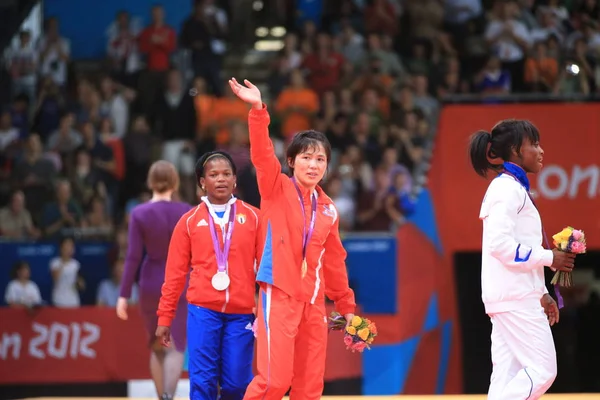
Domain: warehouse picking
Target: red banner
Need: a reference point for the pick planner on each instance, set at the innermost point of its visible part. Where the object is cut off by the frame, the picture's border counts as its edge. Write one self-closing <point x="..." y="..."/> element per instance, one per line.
<point x="90" y="344"/>
<point x="567" y="187"/>
<point x="78" y="345"/>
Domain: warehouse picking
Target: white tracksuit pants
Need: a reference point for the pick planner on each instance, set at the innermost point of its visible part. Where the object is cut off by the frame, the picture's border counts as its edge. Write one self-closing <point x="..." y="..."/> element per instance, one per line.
<point x="523" y="355"/>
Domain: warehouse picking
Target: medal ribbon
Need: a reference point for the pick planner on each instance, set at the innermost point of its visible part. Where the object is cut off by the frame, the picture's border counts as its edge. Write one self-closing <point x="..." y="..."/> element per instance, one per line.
<point x="221" y="255"/>
<point x="313" y="218"/>
<point x="559" y="298"/>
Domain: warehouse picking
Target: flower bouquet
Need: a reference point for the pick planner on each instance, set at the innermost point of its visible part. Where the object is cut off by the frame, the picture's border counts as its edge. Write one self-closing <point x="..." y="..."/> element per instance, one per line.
<point x="569" y="240"/>
<point x="359" y="334"/>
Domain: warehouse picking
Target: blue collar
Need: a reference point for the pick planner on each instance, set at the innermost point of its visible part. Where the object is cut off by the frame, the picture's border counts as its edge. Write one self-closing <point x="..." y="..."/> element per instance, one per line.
<point x="518" y="172"/>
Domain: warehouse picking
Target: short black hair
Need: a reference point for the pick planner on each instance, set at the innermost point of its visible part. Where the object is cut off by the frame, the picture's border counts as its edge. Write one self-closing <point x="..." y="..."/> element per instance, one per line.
<point x="304" y="141"/>
<point x="212" y="155"/>
<point x="14" y="272"/>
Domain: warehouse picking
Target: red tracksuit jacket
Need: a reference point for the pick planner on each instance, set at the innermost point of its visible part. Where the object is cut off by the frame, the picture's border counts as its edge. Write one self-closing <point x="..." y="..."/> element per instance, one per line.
<point x="282" y="229"/>
<point x="191" y="247"/>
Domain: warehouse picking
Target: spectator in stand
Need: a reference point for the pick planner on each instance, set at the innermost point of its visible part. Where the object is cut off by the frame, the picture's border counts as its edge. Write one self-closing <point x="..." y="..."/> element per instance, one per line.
<point x="174" y="120"/>
<point x="541" y="71"/>
<point x="381" y="17"/>
<point x="15" y="220"/>
<point x="296" y="105"/>
<point x="108" y="289"/>
<point x="122" y="49"/>
<point x="157" y="42"/>
<point x="96" y="223"/>
<point x="65" y="272"/>
<point x="201" y="34"/>
<point x="373" y="211"/>
<point x="22" y="63"/>
<point x="65" y="140"/>
<point x="9" y="135"/>
<point x="34" y="174"/>
<point x="102" y="159"/>
<point x="114" y="106"/>
<point x="62" y="215"/>
<point x="343" y="203"/>
<point x="21" y="290"/>
<point x="238" y="146"/>
<point x="85" y="177"/>
<point x="138" y="147"/>
<point x="323" y="65"/>
<point x="54" y="54"/>
<point x="493" y="80"/>
<point x="510" y="41"/>
<point x="49" y="107"/>
<point x="20" y="112"/>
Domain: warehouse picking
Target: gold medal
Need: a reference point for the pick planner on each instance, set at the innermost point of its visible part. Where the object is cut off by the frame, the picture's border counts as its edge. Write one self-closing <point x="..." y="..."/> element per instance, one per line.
<point x="304" y="267"/>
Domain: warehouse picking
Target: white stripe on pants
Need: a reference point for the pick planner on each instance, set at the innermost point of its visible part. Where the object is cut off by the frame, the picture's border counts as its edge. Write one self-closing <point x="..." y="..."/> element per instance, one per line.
<point x="523" y="355"/>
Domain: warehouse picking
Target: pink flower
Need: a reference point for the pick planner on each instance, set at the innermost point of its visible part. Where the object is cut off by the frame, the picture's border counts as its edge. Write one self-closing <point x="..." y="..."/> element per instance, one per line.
<point x="255" y="327"/>
<point x="577" y="234"/>
<point x="578" y="247"/>
<point x="347" y="340"/>
<point x="359" y="346"/>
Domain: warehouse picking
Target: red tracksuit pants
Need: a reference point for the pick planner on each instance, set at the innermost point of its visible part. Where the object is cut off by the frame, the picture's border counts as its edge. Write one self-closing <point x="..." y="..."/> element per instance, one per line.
<point x="291" y="348"/>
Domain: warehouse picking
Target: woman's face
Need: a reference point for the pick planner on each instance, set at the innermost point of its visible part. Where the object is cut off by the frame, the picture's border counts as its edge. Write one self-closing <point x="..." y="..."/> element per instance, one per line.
<point x="218" y="180"/>
<point x="310" y="166"/>
<point x="68" y="248"/>
<point x="83" y="159"/>
<point x="24" y="273"/>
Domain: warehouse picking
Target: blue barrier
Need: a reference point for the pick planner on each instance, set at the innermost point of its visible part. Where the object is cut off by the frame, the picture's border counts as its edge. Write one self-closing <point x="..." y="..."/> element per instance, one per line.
<point x="85" y="23"/>
<point x="91" y="256"/>
<point x="372" y="270"/>
<point x="371" y="261"/>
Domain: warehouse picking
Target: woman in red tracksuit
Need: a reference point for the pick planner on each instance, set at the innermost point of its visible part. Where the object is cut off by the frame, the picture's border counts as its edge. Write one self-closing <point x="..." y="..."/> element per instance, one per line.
<point x="302" y="260"/>
<point x="217" y="240"/>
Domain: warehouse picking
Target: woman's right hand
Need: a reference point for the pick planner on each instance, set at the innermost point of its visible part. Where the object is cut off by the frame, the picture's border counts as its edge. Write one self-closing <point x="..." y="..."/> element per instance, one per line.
<point x="562" y="261"/>
<point x="249" y="93"/>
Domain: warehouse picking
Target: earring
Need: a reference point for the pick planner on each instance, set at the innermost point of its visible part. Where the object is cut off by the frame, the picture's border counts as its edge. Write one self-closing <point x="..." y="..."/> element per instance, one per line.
<point x="234" y="185"/>
<point x="203" y="189"/>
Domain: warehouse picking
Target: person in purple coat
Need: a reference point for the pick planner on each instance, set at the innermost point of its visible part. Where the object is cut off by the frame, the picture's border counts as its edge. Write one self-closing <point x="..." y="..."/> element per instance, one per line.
<point x="150" y="228"/>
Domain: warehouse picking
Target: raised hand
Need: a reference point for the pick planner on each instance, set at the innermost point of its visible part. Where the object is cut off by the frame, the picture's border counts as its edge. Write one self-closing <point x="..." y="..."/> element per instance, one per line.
<point x="249" y="93"/>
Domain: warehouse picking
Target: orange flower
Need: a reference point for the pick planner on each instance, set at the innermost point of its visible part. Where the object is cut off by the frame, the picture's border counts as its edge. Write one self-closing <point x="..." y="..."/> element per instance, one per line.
<point x="372" y="328"/>
<point x="351" y="330"/>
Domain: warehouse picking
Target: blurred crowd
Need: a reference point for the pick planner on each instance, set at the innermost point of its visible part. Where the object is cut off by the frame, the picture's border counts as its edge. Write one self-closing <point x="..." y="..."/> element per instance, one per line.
<point x="75" y="148"/>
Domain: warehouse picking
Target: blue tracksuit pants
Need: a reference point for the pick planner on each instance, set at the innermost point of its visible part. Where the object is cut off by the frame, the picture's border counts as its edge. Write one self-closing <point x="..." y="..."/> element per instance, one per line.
<point x="220" y="351"/>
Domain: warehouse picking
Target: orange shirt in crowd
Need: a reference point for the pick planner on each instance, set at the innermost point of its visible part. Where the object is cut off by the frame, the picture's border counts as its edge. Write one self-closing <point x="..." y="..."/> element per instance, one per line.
<point x="296" y="107"/>
<point x="204" y="105"/>
<point x="225" y="110"/>
<point x="546" y="68"/>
